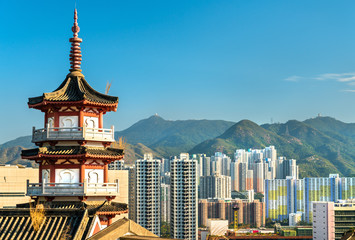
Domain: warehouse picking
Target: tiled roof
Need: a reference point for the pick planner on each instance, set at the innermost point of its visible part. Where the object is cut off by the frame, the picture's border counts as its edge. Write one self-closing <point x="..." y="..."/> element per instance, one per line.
<point x="120" y="228"/>
<point x="92" y="206"/>
<point x="69" y="150"/>
<point x="16" y="223"/>
<point x="73" y="89"/>
<point x="112" y="207"/>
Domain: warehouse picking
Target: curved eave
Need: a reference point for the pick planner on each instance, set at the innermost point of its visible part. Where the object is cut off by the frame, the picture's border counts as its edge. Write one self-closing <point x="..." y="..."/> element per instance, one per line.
<point x="111" y="212"/>
<point x="45" y="104"/>
<point x="65" y="156"/>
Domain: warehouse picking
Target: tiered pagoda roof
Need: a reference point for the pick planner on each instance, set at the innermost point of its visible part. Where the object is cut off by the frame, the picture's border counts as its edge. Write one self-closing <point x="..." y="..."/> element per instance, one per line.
<point x="73" y="151"/>
<point x="74" y="89"/>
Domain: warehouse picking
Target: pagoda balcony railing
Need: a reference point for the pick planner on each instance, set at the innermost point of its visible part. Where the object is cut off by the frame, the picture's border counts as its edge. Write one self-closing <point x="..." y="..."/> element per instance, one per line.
<point x="72" y="133"/>
<point x="72" y="189"/>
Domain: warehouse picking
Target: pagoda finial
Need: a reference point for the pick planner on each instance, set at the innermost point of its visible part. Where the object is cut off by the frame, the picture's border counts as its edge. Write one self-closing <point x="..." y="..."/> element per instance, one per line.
<point x="75" y="52"/>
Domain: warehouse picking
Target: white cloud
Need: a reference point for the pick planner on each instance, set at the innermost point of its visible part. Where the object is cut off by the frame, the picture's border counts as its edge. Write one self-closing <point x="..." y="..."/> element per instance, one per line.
<point x="348" y="90"/>
<point x="340" y="77"/>
<point x="348" y="78"/>
<point x="293" y="79"/>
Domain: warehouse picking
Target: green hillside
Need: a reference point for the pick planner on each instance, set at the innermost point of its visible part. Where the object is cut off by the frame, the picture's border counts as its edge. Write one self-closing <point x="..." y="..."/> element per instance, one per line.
<point x="317" y="153"/>
<point x="172" y="137"/>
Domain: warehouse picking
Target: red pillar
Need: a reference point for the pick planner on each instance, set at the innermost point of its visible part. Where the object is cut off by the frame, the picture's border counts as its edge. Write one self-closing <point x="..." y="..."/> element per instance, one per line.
<point x="52" y="173"/>
<point x="40" y="173"/>
<point x="82" y="172"/>
<point x="105" y="173"/>
<point x="56" y="119"/>
<point x="81" y="118"/>
<point x="101" y="120"/>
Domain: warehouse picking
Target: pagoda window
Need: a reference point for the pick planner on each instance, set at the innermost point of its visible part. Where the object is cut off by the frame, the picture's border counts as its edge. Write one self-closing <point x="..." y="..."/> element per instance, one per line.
<point x="67" y="175"/>
<point x="68" y="122"/>
<point x="91" y="122"/>
<point x="95" y="175"/>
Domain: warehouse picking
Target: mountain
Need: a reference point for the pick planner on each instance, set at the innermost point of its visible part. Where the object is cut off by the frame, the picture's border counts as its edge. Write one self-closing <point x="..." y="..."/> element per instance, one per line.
<point x="12" y="155"/>
<point x="332" y="127"/>
<point x="24" y="142"/>
<point x="161" y="137"/>
<point x="137" y="151"/>
<point x="169" y="138"/>
<point x="337" y="152"/>
<point x="317" y="153"/>
<point x="321" y="145"/>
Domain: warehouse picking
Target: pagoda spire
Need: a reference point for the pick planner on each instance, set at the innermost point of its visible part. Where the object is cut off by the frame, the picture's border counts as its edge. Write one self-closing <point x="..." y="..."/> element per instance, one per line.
<point x="75" y="52"/>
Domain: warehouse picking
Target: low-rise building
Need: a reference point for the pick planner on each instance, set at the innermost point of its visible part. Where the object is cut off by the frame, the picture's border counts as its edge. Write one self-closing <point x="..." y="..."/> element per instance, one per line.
<point x="13" y="184"/>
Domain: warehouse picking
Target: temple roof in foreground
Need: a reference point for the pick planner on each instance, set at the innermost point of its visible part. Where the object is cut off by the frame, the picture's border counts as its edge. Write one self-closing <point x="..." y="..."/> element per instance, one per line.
<point x="79" y="151"/>
<point x="121" y="228"/>
<point x="16" y="223"/>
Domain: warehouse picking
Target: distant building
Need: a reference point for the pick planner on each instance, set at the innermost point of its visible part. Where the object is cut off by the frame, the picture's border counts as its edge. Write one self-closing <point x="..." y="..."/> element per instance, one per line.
<point x="148" y="193"/>
<point x="165" y="202"/>
<point x="331" y="220"/>
<point x="13" y="184"/>
<point x="249" y="213"/>
<point x="323" y="221"/>
<point x="234" y="169"/>
<point x="132" y="193"/>
<point x="216" y="186"/>
<point x="183" y="197"/>
<point x="285" y="196"/>
<point x="294" y="218"/>
<point x="116" y="165"/>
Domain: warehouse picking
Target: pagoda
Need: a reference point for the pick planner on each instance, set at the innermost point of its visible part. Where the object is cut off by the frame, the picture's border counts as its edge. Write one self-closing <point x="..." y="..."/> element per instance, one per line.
<point x="74" y="148"/>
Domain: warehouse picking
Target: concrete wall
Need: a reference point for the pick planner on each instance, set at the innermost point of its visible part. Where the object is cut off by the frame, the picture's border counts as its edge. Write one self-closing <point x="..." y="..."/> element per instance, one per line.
<point x="13" y="184"/>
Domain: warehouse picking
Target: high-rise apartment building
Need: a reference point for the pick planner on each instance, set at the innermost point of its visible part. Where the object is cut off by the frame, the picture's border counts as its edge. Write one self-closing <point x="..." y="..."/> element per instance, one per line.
<point x="332" y="219"/>
<point x="148" y="189"/>
<point x="249" y="180"/>
<point x="285" y="196"/>
<point x="235" y="176"/>
<point x="165" y="202"/>
<point x="243" y="170"/>
<point x="252" y="213"/>
<point x="206" y="166"/>
<point x="215" y="187"/>
<point x="184" y="198"/>
<point x="116" y="165"/>
<point x="258" y="176"/>
<point x="132" y="193"/>
<point x="165" y="166"/>
<point x="323" y="221"/>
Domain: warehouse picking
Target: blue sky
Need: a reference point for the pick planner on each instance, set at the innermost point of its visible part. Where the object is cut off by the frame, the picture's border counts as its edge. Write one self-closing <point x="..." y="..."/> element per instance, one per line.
<point x="231" y="60"/>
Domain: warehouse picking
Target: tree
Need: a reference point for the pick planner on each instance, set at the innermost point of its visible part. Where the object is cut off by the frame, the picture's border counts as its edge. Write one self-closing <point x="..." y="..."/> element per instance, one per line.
<point x="165" y="230"/>
<point x="259" y="196"/>
<point x="269" y="223"/>
<point x="303" y="223"/>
